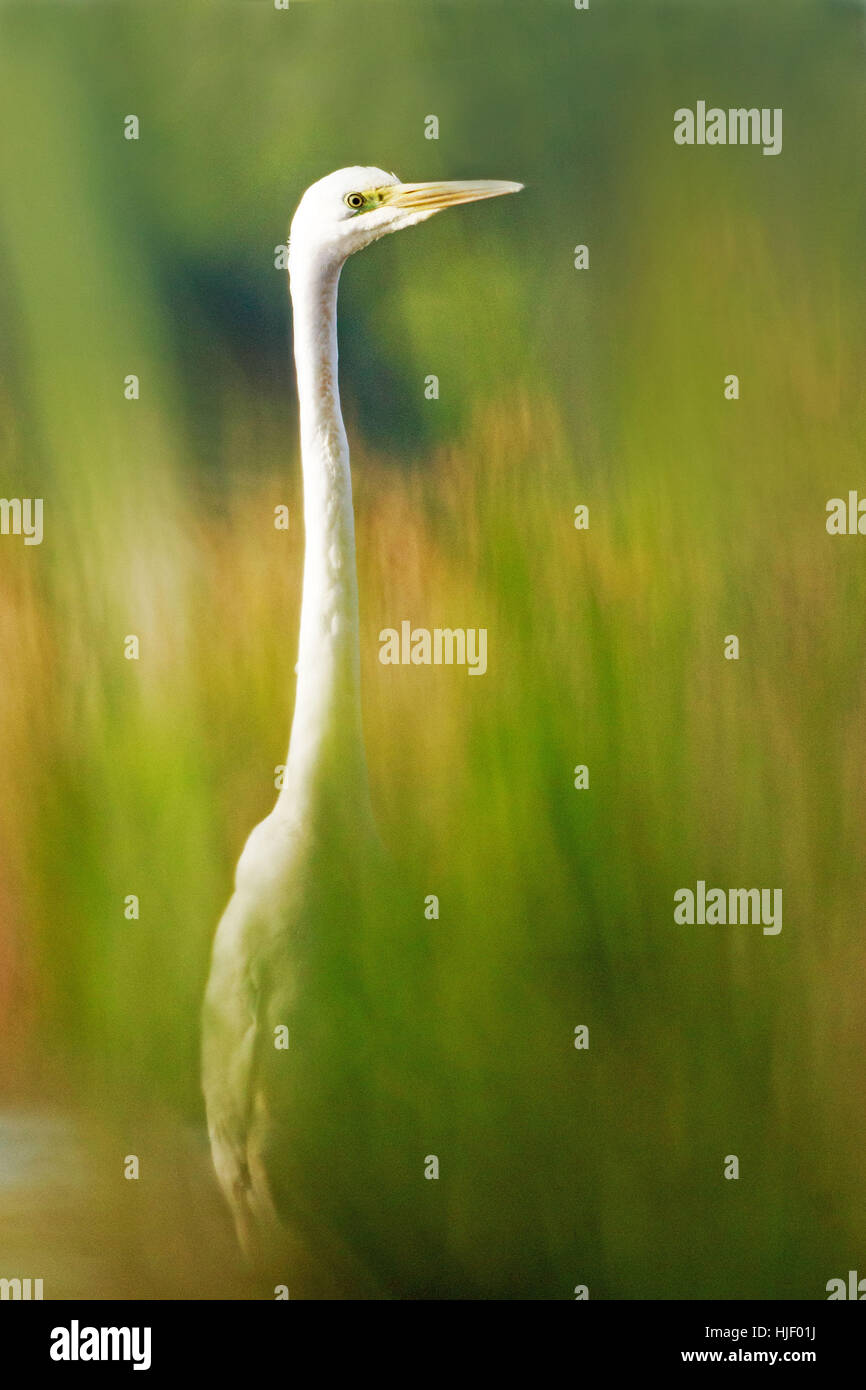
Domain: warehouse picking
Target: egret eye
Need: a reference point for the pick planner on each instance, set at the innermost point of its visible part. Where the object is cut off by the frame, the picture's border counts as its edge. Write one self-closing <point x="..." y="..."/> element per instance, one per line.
<point x="355" y="200"/>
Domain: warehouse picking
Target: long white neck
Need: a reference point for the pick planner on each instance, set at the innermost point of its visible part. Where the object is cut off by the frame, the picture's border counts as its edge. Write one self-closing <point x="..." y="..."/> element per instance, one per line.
<point x="326" y="750"/>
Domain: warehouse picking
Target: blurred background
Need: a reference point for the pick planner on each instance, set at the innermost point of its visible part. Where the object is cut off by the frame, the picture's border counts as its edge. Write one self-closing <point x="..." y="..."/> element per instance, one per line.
<point x="557" y="387"/>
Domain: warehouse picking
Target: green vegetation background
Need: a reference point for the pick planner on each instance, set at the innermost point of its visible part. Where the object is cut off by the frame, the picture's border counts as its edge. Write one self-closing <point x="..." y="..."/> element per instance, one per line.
<point x="558" y="387"/>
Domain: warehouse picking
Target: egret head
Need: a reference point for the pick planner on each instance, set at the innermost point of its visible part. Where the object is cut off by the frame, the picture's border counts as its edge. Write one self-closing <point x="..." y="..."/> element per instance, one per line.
<point x="349" y="209"/>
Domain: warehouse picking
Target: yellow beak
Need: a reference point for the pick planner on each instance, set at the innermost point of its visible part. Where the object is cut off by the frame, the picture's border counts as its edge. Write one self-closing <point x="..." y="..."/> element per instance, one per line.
<point x="430" y="197"/>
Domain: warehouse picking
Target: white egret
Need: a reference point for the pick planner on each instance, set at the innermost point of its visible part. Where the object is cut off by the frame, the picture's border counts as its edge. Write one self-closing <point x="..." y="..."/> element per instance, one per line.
<point x="280" y="952"/>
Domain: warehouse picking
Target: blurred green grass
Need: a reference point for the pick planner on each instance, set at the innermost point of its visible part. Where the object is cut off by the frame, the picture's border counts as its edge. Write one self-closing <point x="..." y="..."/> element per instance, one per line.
<point x="605" y="647"/>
